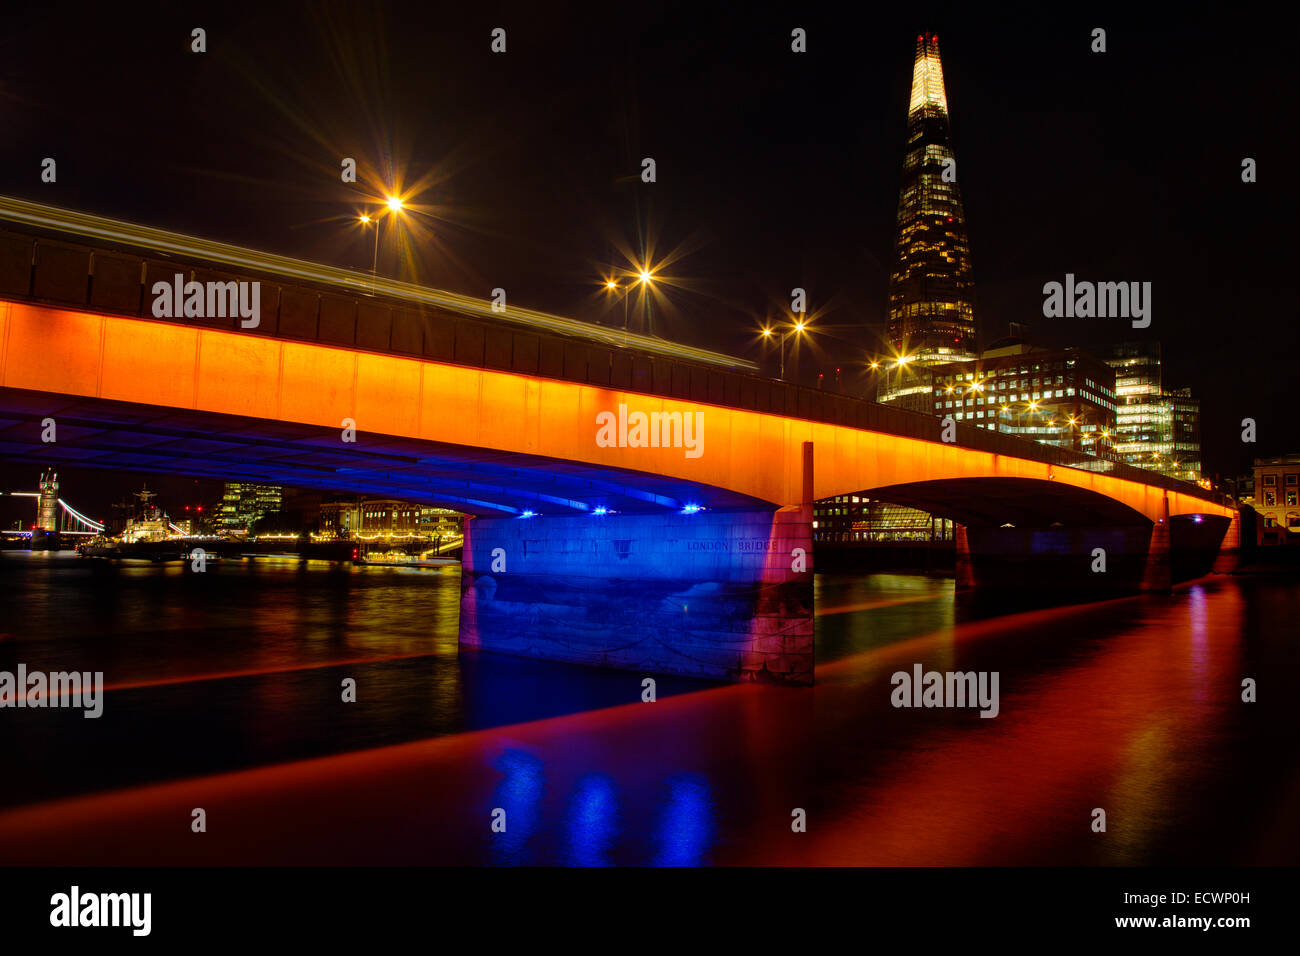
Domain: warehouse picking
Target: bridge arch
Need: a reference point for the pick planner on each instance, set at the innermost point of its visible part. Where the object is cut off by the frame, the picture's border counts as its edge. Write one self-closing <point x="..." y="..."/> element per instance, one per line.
<point x="1020" y="502"/>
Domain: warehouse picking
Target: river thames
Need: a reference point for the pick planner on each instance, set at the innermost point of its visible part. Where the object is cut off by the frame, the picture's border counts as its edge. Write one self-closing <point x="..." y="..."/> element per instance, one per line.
<point x="223" y="692"/>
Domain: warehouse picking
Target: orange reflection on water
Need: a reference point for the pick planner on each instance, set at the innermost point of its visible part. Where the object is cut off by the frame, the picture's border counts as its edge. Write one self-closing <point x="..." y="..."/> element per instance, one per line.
<point x="1121" y="706"/>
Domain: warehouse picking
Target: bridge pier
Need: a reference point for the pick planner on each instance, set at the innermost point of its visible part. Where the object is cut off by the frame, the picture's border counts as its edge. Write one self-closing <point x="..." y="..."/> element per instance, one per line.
<point x="1228" y="559"/>
<point x="1158" y="574"/>
<point x="725" y="595"/>
<point x="965" y="564"/>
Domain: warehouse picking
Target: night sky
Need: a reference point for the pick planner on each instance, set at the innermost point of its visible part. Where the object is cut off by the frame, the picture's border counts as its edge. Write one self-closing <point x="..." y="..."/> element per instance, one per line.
<point x="775" y="169"/>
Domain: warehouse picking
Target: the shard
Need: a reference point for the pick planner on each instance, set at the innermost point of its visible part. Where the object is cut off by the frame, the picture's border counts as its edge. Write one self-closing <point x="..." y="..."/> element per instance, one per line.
<point x="931" y="315"/>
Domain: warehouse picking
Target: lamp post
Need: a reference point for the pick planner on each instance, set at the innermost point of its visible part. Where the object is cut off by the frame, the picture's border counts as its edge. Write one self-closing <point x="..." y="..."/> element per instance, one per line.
<point x="1076" y="438"/>
<point x="874" y="365"/>
<point x="395" y="206"/>
<point x="611" y="285"/>
<point x="645" y="277"/>
<point x="365" y="220"/>
<point x="798" y="328"/>
<point x="899" y="364"/>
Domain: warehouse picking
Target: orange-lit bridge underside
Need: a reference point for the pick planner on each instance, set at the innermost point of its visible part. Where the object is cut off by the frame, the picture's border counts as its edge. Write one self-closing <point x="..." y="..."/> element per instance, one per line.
<point x="754" y="456"/>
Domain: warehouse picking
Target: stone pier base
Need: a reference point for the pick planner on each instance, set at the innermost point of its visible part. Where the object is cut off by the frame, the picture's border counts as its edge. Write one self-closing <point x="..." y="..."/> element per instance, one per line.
<point x="714" y="594"/>
<point x="1158" y="573"/>
<point x="1228" y="557"/>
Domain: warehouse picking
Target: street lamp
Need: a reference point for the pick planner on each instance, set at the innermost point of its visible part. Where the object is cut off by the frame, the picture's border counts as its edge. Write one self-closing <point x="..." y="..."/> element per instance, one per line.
<point x="611" y="285"/>
<point x="367" y="221"/>
<point x="645" y="277"/>
<point x="1076" y="441"/>
<point x="798" y="328"/>
<point x="395" y="206"/>
<point x="900" y="362"/>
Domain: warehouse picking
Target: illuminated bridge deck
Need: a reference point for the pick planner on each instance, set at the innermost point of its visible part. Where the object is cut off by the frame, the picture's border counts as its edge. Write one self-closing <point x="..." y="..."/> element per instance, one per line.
<point x="85" y="264"/>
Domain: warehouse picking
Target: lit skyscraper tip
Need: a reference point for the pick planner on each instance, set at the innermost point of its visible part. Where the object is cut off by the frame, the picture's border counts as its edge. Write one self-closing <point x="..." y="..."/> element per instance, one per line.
<point x="931" y="316"/>
<point x="927" y="76"/>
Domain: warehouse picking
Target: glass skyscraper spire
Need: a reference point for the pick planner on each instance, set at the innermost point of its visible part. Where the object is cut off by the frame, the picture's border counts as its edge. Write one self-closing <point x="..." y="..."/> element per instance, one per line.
<point x="931" y="317"/>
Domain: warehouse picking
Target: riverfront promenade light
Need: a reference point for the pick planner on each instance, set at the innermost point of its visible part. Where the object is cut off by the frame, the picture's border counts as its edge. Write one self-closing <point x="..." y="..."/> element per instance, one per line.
<point x="205" y="250"/>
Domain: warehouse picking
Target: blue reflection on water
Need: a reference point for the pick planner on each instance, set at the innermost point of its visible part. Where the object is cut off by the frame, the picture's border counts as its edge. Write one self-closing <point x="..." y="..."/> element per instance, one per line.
<point x="519" y="794"/>
<point x="686" y="827"/>
<point x="593" y="821"/>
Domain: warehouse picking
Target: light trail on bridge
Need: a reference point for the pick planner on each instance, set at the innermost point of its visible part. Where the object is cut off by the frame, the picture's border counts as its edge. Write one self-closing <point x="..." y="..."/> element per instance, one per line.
<point x="159" y="240"/>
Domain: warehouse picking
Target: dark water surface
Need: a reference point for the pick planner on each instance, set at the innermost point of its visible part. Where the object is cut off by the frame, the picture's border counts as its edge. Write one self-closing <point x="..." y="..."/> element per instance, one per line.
<point x="223" y="685"/>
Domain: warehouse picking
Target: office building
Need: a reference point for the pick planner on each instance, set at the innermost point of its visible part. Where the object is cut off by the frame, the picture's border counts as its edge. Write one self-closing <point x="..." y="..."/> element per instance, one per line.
<point x="243" y="503"/>
<point x="1064" y="397"/>
<point x="1277" y="500"/>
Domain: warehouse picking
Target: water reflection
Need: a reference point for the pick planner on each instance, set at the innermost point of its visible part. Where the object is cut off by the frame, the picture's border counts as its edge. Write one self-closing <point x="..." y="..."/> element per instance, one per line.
<point x="685" y="830"/>
<point x="1131" y="705"/>
<point x="593" y="821"/>
<point x="517" y="812"/>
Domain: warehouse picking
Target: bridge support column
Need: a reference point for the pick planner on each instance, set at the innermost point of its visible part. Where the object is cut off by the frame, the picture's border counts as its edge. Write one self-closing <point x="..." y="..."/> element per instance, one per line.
<point x="724" y="595"/>
<point x="1228" y="560"/>
<point x="965" y="564"/>
<point x="1158" y="573"/>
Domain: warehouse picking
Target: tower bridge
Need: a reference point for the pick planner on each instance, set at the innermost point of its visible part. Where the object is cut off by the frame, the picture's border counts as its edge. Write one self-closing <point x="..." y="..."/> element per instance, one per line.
<point x="53" y="514"/>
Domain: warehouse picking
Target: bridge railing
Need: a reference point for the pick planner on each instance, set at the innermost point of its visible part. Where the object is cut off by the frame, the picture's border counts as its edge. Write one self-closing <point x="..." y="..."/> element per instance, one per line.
<point x="112" y="280"/>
